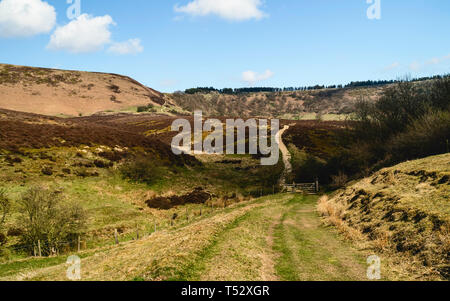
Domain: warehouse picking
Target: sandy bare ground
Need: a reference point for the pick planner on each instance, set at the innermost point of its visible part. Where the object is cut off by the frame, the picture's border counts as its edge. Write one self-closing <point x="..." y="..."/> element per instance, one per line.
<point x="286" y="155"/>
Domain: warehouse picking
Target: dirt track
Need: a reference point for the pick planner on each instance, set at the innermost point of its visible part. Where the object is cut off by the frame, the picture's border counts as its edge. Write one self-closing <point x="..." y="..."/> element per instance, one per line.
<point x="286" y="155"/>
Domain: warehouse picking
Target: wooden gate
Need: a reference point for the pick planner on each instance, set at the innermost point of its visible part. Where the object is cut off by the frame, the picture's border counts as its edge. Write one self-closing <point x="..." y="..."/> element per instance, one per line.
<point x="306" y="188"/>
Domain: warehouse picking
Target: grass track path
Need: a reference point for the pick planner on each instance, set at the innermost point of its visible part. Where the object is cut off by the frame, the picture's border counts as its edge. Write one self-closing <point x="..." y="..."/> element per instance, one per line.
<point x="284" y="240"/>
<point x="273" y="238"/>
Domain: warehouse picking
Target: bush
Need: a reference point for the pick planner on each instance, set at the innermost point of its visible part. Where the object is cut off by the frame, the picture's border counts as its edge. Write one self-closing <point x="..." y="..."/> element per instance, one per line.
<point x="47" y="171"/>
<point x="5" y="254"/>
<point x="45" y="217"/>
<point x="410" y="121"/>
<point x="147" y="108"/>
<point x="114" y="88"/>
<point x="339" y="180"/>
<point x="142" y="169"/>
<point x="102" y="164"/>
<point x="14" y="232"/>
<point x="5" y="207"/>
<point x="428" y="135"/>
<point x="3" y="239"/>
<point x="306" y="167"/>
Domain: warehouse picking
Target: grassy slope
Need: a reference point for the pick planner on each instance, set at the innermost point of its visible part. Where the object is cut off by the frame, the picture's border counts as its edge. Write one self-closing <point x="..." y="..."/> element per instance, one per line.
<point x="404" y="212"/>
<point x="273" y="238"/>
<point x="114" y="203"/>
<point x="303" y="105"/>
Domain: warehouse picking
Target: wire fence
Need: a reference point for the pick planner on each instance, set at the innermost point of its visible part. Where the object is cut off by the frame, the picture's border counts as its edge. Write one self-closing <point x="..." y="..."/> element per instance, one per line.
<point x="83" y="242"/>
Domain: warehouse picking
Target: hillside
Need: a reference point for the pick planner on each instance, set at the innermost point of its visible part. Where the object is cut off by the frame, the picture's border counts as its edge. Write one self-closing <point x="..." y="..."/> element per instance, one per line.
<point x="403" y="211"/>
<point x="273" y="238"/>
<point x="76" y="93"/>
<point x="286" y="105"/>
<point x="73" y="93"/>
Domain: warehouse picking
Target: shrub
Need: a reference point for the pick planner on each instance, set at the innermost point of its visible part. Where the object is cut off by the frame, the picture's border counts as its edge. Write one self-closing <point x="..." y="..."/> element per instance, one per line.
<point x="142" y="169"/>
<point x="5" y="207"/>
<point x="102" y="164"/>
<point x="5" y="254"/>
<point x="410" y="121"/>
<point x="147" y="108"/>
<point x="114" y="88"/>
<point x="14" y="232"/>
<point x="428" y="135"/>
<point x="339" y="181"/>
<point x="48" y="171"/>
<point x="306" y="167"/>
<point x="45" y="217"/>
<point x="320" y="117"/>
<point x="113" y="155"/>
<point x="3" y="239"/>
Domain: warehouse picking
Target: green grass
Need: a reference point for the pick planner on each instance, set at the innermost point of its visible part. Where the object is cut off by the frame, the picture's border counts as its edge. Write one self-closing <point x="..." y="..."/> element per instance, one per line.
<point x="303" y="249"/>
<point x="115" y="203"/>
<point x="30" y="264"/>
<point x="309" y="251"/>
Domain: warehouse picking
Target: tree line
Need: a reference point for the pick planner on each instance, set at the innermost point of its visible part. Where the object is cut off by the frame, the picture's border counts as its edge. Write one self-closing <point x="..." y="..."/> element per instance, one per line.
<point x="353" y="84"/>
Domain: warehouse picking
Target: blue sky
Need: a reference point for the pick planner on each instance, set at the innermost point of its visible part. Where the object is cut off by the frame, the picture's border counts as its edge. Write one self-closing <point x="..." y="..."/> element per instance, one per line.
<point x="235" y="43"/>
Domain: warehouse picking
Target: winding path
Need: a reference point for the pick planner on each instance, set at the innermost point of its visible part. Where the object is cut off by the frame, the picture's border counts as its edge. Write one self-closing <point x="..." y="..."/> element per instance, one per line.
<point x="286" y="155"/>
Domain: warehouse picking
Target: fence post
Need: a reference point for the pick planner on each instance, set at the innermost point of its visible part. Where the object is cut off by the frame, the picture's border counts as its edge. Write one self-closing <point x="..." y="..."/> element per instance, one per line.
<point x="200" y="211"/>
<point x="155" y="227"/>
<point x="116" y="237"/>
<point x="39" y="248"/>
<point x="317" y="185"/>
<point x="137" y="233"/>
<point x="79" y="244"/>
<point x="34" y="250"/>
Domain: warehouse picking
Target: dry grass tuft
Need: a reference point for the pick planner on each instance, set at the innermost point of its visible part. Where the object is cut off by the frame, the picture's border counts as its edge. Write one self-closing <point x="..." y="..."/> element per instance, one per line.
<point x="401" y="212"/>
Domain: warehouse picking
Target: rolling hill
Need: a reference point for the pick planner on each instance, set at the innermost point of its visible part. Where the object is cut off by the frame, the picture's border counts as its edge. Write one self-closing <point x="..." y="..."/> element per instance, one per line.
<point x="77" y="93"/>
<point x="73" y="93"/>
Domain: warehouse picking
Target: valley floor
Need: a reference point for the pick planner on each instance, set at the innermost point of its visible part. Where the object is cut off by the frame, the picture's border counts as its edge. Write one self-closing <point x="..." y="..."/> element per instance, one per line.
<point x="278" y="237"/>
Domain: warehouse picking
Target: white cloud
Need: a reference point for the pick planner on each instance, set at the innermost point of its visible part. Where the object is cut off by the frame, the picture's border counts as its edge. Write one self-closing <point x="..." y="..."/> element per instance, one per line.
<point x="392" y="66"/>
<point x="438" y="60"/>
<point x="235" y="10"/>
<point x="82" y="35"/>
<point x="415" y="66"/>
<point x="132" y="46"/>
<point x="25" y="18"/>
<point x="251" y="77"/>
<point x="434" y="61"/>
<point x="168" y="83"/>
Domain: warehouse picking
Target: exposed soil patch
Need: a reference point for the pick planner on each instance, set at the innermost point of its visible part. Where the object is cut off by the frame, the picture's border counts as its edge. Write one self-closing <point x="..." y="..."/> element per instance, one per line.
<point x="198" y="196"/>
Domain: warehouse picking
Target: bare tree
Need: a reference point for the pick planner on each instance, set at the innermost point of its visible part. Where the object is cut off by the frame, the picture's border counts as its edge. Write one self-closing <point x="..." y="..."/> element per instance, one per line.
<point x="47" y="218"/>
